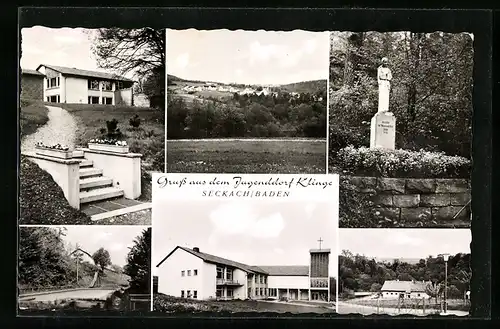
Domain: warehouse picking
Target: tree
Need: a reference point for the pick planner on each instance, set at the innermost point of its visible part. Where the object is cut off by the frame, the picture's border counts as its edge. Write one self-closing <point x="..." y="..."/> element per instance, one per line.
<point x="101" y="258"/>
<point x="375" y="287"/>
<point x="139" y="262"/>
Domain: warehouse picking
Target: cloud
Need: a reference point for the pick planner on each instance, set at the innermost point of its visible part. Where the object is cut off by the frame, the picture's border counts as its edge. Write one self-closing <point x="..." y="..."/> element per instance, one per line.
<point x="239" y="72"/>
<point x="66" y="39"/>
<point x="182" y="61"/>
<point x="400" y="238"/>
<point x="239" y="218"/>
<point x="102" y="235"/>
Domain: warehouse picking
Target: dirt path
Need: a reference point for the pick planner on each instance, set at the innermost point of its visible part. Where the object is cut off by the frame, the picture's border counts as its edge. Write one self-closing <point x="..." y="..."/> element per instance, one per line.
<point x="60" y="128"/>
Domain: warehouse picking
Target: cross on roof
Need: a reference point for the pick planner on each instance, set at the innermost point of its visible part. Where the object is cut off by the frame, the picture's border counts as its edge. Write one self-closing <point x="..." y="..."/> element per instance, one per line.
<point x="320" y="242"/>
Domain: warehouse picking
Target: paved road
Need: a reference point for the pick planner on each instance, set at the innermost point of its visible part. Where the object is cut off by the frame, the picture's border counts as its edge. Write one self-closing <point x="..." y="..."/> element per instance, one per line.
<point x="347" y="308"/>
<point x="100" y="294"/>
<point x="60" y="128"/>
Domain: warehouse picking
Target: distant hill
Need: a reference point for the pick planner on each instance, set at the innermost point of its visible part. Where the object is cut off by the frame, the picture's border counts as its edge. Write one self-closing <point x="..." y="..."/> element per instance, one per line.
<point x="311" y="87"/>
<point x="402" y="260"/>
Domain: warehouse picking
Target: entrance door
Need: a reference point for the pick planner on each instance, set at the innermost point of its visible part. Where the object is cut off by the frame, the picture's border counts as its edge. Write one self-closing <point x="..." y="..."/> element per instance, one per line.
<point x="53" y="99"/>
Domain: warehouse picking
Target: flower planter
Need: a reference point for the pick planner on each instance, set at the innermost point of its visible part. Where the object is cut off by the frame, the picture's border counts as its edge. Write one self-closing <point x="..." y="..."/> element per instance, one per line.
<point x="55" y="153"/>
<point x="108" y="148"/>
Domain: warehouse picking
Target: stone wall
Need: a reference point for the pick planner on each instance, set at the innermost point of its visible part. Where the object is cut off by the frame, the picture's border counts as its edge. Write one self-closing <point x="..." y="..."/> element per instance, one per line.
<point x="414" y="199"/>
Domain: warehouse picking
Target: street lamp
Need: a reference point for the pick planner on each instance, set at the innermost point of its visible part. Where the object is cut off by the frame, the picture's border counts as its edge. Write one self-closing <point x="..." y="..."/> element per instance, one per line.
<point x="445" y="258"/>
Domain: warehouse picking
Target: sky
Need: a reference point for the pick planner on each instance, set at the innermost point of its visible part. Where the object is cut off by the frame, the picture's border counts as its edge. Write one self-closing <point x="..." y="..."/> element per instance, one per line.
<point x="62" y="47"/>
<point x="115" y="239"/>
<point x="405" y="243"/>
<point x="250" y="232"/>
<point x="248" y="57"/>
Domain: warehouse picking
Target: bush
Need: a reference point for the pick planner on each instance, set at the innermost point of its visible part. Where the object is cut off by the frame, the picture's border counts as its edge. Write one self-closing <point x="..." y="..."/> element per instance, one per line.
<point x="400" y="163"/>
<point x="112" y="129"/>
<point x="135" y="121"/>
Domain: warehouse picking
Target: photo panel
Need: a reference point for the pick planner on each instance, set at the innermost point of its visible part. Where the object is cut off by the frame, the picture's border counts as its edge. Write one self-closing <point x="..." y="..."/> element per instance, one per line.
<point x="400" y="128"/>
<point x="89" y="269"/>
<point x="92" y="104"/>
<point x="247" y="101"/>
<point x="245" y="244"/>
<point x="410" y="272"/>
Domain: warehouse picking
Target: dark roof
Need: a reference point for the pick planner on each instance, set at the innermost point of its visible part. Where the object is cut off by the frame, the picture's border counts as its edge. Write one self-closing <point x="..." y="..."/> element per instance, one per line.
<point x="292" y="270"/>
<point x="216" y="260"/>
<point x="85" y="73"/>
<point x="404" y="286"/>
<point x="32" y="72"/>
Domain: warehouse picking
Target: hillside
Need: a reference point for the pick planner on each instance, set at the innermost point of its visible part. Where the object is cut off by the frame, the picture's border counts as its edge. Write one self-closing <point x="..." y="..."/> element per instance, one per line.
<point x="311" y="87"/>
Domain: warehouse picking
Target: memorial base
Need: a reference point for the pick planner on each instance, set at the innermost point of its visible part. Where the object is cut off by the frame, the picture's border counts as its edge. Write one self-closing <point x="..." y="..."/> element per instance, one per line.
<point x="383" y="131"/>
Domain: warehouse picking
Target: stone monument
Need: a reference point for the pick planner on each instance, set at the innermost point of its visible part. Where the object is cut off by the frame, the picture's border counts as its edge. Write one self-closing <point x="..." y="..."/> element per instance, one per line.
<point x="383" y="123"/>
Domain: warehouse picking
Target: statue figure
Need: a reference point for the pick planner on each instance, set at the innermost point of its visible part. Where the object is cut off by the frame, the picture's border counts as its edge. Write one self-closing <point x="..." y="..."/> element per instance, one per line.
<point x="384" y="77"/>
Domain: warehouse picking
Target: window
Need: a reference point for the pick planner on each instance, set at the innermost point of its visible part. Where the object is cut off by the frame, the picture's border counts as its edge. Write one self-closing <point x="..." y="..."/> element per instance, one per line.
<point x="53" y="82"/>
<point x="93" y="84"/>
<point x="261" y="292"/>
<point x="261" y="279"/>
<point x="93" y="100"/>
<point x="189" y="294"/>
<point x="53" y="99"/>
<point x="195" y="272"/>
<point x="229" y="275"/>
<point x="189" y="272"/>
<point x="58" y="98"/>
<point x="220" y="272"/>
<point x="58" y="81"/>
<point x="195" y="293"/>
<point x="107" y="100"/>
<point x="182" y="273"/>
<point x="119" y="85"/>
<point x="265" y="279"/>
<point x="229" y="293"/>
<point x="218" y="293"/>
<point x="106" y="85"/>
<point x="256" y="291"/>
<point x="182" y="293"/>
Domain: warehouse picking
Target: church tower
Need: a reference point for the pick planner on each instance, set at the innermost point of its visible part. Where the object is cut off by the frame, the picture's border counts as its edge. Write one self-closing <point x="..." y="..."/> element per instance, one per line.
<point x="319" y="276"/>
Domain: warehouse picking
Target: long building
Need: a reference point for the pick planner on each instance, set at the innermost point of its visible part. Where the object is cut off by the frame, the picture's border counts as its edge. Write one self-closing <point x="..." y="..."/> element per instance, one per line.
<point x="191" y="273"/>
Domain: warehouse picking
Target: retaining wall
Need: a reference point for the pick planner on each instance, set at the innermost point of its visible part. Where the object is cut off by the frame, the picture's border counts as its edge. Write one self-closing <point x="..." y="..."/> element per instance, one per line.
<point x="415" y="199"/>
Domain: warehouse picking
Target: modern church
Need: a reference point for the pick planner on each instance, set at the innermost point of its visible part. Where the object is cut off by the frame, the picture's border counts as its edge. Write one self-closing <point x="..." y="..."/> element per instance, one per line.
<point x="191" y="273"/>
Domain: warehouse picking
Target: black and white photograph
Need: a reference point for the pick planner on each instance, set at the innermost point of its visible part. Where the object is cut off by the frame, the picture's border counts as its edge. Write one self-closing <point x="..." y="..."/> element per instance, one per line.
<point x="92" y="124"/>
<point x="408" y="272"/>
<point x="84" y="268"/>
<point x="236" y="255"/>
<point x="247" y="101"/>
<point x="400" y="128"/>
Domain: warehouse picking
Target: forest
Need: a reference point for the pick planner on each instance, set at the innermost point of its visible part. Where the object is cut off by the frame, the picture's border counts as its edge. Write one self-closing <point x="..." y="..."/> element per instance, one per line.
<point x="248" y="116"/>
<point x="47" y="261"/>
<point x="431" y="90"/>
<point x="360" y="273"/>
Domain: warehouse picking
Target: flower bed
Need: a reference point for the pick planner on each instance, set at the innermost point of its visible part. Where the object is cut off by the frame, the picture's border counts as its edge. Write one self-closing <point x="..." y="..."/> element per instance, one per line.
<point x="55" y="150"/>
<point x="364" y="161"/>
<point x="109" y="145"/>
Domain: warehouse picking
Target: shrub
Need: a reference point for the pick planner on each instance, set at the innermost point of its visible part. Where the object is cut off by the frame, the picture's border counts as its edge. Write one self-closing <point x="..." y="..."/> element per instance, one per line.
<point x="112" y="129"/>
<point x="135" y="121"/>
<point x="400" y="163"/>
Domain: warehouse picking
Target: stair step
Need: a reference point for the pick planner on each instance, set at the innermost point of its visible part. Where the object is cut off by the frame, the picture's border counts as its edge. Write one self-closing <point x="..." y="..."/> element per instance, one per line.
<point x="93" y="182"/>
<point x="100" y="194"/>
<point x="86" y="163"/>
<point x="90" y="172"/>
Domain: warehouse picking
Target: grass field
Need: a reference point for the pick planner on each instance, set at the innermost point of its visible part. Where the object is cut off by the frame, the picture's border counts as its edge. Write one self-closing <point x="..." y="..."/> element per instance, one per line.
<point x="453" y="304"/>
<point x="33" y="115"/>
<point x="148" y="139"/>
<point x="168" y="304"/>
<point x="246" y="156"/>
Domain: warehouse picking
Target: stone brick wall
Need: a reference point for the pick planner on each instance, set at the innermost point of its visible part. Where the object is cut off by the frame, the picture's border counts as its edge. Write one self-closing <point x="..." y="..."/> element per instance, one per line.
<point x="31" y="87"/>
<point x="414" y="199"/>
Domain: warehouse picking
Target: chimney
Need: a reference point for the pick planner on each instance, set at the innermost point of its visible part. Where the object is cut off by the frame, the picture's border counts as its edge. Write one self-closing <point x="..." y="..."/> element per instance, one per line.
<point x="196" y="249"/>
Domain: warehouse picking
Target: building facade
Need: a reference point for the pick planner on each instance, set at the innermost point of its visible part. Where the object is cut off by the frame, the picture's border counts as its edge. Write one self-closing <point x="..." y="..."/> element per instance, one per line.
<point x="75" y="86"/>
<point x="190" y="273"/>
<point x="394" y="289"/>
<point x="32" y="85"/>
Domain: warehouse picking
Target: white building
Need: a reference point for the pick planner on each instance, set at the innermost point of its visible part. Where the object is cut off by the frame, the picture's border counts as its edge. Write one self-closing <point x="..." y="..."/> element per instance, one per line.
<point x="394" y="289"/>
<point x="190" y="273"/>
<point x="71" y="85"/>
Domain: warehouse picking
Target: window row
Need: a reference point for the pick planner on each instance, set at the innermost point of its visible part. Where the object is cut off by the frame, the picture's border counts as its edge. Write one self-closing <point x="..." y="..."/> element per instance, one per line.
<point x="224" y="273"/>
<point x="106" y="85"/>
<point x="105" y="100"/>
<point x="189" y="295"/>
<point x="195" y="273"/>
<point x="53" y="82"/>
<point x="219" y="292"/>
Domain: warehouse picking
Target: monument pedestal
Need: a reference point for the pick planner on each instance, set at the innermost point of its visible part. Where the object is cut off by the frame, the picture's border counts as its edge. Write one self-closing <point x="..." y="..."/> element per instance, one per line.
<point x="383" y="131"/>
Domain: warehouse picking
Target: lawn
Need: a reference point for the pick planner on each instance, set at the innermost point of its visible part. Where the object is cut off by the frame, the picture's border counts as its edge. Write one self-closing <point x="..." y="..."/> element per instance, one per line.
<point x="148" y="139"/>
<point x="246" y="156"/>
<point x="41" y="200"/>
<point x="168" y="304"/>
<point x="33" y="114"/>
<point x="453" y="304"/>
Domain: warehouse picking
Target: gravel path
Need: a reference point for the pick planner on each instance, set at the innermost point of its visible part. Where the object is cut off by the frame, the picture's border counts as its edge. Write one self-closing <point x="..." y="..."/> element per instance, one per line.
<point x="60" y="128"/>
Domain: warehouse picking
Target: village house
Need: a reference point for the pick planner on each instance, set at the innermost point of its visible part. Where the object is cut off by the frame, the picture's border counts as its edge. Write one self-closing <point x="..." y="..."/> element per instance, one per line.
<point x="394" y="289"/>
<point x="191" y="273"/>
<point x="71" y="85"/>
<point x="32" y="84"/>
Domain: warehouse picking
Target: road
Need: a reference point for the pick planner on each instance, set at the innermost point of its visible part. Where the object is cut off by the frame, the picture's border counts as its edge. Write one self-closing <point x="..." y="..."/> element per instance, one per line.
<point x="346" y="308"/>
<point x="100" y="294"/>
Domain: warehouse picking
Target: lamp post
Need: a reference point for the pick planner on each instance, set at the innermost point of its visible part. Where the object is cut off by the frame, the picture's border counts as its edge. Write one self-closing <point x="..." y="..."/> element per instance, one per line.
<point x="445" y="258"/>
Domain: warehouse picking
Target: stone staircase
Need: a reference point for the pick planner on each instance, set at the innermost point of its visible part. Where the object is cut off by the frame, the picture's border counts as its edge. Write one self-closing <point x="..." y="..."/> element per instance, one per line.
<point x="93" y="185"/>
